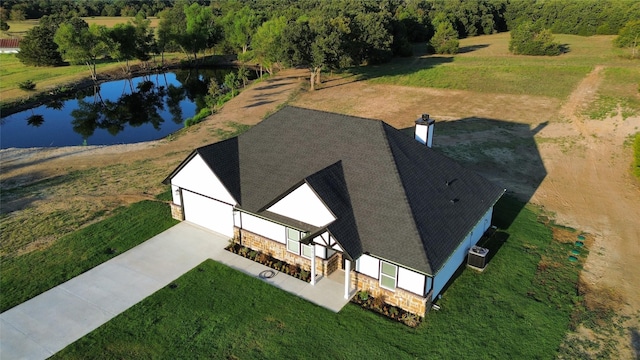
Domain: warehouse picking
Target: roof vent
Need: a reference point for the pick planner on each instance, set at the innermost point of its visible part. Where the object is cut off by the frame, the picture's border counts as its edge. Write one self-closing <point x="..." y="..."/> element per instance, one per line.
<point x="453" y="201"/>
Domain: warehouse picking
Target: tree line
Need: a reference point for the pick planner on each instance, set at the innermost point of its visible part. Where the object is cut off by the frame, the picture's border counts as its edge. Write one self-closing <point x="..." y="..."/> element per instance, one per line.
<point x="316" y="34"/>
<point x="18" y="10"/>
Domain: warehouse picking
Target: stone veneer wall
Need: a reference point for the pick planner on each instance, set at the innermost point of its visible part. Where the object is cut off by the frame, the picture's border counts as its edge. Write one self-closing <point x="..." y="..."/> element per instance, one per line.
<point x="279" y="251"/>
<point x="176" y="212"/>
<point x="403" y="299"/>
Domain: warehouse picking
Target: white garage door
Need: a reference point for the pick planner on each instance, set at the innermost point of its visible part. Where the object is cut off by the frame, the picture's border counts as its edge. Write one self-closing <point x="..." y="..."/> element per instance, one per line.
<point x="208" y="213"/>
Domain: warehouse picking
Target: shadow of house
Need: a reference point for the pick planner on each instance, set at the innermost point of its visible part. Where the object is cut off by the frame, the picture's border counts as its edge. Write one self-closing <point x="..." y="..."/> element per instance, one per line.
<point x="504" y="152"/>
<point x="635" y="342"/>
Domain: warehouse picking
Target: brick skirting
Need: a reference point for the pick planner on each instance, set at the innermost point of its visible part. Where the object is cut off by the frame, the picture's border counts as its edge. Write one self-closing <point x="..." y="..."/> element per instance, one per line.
<point x="403" y="299"/>
<point x="279" y="251"/>
<point x="176" y="211"/>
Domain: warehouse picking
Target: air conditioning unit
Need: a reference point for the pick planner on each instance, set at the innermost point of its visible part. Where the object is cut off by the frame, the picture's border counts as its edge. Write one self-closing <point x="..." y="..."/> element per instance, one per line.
<point x="477" y="257"/>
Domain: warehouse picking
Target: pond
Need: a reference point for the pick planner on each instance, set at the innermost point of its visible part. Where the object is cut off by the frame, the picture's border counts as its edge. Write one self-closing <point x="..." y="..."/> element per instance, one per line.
<point x="125" y="111"/>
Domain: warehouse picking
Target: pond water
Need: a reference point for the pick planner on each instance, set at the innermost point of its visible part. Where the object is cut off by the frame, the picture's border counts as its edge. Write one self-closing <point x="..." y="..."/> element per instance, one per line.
<point x="118" y="112"/>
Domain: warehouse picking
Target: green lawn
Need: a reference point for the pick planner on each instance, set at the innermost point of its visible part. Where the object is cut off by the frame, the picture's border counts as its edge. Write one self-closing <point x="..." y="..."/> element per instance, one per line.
<point x="25" y="276"/>
<point x="13" y="72"/>
<point x="519" y="308"/>
<point x="485" y="65"/>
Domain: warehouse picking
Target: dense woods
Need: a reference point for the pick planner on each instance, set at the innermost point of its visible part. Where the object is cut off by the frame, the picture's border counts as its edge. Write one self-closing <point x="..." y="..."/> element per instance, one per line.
<point x="313" y="33"/>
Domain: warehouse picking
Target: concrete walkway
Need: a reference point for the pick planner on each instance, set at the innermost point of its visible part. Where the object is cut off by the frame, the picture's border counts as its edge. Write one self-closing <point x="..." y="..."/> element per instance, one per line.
<point x="44" y="325"/>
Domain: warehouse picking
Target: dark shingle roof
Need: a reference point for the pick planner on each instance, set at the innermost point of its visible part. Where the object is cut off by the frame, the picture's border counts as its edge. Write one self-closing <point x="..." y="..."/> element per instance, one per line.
<point x="392" y="195"/>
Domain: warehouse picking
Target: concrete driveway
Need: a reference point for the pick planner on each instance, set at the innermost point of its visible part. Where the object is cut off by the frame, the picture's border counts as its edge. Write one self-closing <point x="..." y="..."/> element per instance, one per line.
<point x="44" y="325"/>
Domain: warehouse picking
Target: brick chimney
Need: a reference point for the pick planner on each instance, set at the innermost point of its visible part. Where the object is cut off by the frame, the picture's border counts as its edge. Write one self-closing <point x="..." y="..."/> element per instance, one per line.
<point x="424" y="130"/>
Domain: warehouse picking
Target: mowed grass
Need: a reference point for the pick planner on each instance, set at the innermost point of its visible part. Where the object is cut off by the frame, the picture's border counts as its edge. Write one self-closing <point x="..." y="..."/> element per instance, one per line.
<point x="485" y="65"/>
<point x="25" y="276"/>
<point x="518" y="308"/>
<point x="13" y="72"/>
<point x="18" y="29"/>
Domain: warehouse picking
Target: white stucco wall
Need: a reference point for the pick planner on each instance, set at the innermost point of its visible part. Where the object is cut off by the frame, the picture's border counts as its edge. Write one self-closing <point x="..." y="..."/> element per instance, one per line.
<point x="264" y="227"/>
<point x="175" y="193"/>
<point x="460" y="254"/>
<point x="303" y="205"/>
<point x="197" y="177"/>
<point x="209" y="213"/>
<point x="411" y="281"/>
<point x="368" y="265"/>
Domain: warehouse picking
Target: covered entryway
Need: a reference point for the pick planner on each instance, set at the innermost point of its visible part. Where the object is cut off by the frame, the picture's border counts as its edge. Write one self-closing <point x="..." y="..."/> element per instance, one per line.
<point x="208" y="213"/>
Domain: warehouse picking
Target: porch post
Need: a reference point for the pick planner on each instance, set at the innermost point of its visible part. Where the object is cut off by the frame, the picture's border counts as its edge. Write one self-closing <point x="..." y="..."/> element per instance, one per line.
<point x="313" y="264"/>
<point x="347" y="280"/>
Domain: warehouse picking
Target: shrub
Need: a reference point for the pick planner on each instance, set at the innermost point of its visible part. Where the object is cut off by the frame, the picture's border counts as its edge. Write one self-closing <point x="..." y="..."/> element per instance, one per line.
<point x="198" y="117"/>
<point x="27" y="85"/>
<point x="445" y="40"/>
<point x="629" y="37"/>
<point x="363" y="295"/>
<point x="531" y="39"/>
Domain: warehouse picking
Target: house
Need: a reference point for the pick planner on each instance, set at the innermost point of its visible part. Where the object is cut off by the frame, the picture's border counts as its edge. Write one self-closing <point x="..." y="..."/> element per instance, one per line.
<point x="336" y="193"/>
<point x="9" y="46"/>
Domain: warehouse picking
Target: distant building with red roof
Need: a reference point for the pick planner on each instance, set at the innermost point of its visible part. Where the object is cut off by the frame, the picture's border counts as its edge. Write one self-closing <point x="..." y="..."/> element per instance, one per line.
<point x="9" y="46"/>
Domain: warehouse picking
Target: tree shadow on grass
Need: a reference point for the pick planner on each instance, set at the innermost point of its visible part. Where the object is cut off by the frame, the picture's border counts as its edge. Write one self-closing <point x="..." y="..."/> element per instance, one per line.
<point x="400" y="66"/>
<point x="471" y="48"/>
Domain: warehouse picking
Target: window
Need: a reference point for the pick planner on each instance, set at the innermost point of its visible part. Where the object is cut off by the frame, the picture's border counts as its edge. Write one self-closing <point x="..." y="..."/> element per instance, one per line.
<point x="293" y="241"/>
<point x="388" y="274"/>
<point x="306" y="251"/>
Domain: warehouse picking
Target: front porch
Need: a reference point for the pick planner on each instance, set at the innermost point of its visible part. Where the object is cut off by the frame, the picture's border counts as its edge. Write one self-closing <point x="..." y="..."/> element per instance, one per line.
<point x="327" y="292"/>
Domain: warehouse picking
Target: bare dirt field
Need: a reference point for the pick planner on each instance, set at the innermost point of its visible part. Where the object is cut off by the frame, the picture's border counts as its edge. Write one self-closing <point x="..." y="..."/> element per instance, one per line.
<point x="541" y="149"/>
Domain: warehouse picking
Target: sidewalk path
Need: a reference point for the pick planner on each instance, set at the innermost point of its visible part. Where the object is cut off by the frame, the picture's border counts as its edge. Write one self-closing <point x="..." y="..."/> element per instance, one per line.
<point x="44" y="325"/>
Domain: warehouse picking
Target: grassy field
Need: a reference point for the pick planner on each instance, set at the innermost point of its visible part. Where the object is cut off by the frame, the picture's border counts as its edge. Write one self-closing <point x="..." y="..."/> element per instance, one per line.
<point x="619" y="93"/>
<point x="519" y="308"/>
<point x="485" y="65"/>
<point x="18" y="29"/>
<point x="23" y="277"/>
<point x="13" y="72"/>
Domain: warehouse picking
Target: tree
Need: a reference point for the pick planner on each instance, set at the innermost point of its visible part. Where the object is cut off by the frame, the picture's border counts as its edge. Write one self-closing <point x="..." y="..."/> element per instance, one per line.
<point x="243" y="75"/>
<point x="373" y="37"/>
<point x="629" y="37"/>
<point x="81" y="43"/>
<point x="3" y="25"/>
<point x="232" y="82"/>
<point x="17" y="15"/>
<point x="170" y="28"/>
<point x="201" y="32"/>
<point x="37" y="48"/>
<point x="531" y="39"/>
<point x="267" y="43"/>
<point x="445" y="39"/>
<point x="123" y="40"/>
<point x="145" y="41"/>
<point x="239" y="26"/>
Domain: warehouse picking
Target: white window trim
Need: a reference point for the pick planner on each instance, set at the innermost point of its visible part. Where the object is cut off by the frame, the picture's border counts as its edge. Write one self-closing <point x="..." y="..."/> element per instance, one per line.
<point x="303" y="246"/>
<point x="395" y="278"/>
<point x="297" y="241"/>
